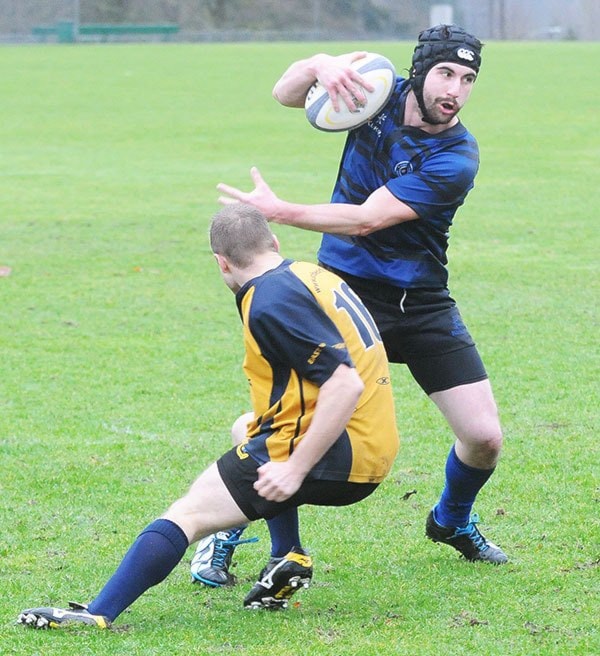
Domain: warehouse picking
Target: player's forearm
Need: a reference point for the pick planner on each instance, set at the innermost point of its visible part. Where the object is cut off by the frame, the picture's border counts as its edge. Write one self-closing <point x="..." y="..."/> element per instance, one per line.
<point x="336" y="403"/>
<point x="380" y="210"/>
<point x="291" y="88"/>
<point x="333" y="218"/>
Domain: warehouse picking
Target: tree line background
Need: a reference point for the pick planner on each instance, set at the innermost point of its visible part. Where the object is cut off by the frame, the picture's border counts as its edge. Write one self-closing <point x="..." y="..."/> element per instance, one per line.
<point x="319" y="19"/>
<point x="360" y="16"/>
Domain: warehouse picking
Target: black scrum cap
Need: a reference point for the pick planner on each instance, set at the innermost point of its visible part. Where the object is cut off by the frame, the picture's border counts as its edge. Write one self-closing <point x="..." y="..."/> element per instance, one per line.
<point x="442" y="43"/>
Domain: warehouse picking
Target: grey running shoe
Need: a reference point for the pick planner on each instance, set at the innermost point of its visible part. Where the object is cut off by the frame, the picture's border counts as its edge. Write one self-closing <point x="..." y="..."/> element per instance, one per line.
<point x="211" y="561"/>
<point x="279" y="580"/>
<point x="53" y="618"/>
<point x="468" y="540"/>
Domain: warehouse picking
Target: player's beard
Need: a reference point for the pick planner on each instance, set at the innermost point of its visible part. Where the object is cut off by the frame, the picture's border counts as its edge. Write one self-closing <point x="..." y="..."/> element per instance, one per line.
<point x="434" y="114"/>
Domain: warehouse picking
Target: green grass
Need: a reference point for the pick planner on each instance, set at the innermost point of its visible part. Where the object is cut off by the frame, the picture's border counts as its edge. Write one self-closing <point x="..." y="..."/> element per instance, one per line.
<point x="120" y="354"/>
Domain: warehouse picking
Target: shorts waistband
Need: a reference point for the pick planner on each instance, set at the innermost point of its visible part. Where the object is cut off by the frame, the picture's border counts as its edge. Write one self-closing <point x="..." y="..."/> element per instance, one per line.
<point x="384" y="291"/>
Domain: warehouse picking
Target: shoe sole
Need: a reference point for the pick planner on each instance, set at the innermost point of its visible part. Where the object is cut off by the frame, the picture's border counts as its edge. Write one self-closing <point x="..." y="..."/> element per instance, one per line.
<point x="273" y="603"/>
<point x="212" y="584"/>
<point x="41" y="622"/>
<point x="502" y="560"/>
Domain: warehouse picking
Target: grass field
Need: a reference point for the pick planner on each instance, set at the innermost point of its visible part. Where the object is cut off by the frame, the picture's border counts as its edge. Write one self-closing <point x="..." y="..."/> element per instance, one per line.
<point x="120" y="354"/>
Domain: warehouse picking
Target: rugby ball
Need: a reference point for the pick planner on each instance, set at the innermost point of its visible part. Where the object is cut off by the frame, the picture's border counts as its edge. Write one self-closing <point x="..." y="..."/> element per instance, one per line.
<point x="375" y="69"/>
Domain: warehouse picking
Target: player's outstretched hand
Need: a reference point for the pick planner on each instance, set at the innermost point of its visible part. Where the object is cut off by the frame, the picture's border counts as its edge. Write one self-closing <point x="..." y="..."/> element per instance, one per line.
<point x="261" y="197"/>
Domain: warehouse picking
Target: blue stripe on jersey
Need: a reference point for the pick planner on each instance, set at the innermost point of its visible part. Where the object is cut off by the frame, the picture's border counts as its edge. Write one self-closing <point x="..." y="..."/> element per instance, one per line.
<point x="431" y="173"/>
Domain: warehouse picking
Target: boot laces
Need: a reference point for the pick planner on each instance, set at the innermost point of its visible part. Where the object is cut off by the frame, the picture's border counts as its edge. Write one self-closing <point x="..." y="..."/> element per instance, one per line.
<point x="224" y="547"/>
<point x="472" y="532"/>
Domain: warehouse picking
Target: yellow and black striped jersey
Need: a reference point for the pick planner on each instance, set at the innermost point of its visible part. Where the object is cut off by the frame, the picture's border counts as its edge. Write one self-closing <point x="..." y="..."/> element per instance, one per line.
<point x="300" y="323"/>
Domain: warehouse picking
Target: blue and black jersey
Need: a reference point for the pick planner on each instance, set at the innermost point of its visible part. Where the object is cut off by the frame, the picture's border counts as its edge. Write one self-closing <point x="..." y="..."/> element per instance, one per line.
<point x="432" y="174"/>
<point x="300" y="323"/>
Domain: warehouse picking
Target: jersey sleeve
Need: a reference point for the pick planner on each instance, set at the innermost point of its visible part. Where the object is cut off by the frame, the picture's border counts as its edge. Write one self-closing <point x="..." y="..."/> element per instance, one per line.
<point x="292" y="330"/>
<point x="441" y="182"/>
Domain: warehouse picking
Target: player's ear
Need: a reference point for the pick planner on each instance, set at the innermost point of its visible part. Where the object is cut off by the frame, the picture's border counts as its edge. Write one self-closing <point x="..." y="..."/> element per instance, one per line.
<point x="222" y="262"/>
<point x="276" y="244"/>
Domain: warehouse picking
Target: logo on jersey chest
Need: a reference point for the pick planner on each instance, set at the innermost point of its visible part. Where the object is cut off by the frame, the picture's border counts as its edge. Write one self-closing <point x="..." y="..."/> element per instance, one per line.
<point x="402" y="168"/>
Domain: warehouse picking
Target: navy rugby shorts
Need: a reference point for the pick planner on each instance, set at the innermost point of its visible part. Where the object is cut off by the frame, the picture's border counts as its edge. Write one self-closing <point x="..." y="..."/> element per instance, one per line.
<point x="423" y="329"/>
<point x="239" y="472"/>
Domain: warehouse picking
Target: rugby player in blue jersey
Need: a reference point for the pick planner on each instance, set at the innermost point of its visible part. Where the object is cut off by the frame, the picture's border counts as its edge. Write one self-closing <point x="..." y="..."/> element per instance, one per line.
<point x="402" y="177"/>
<point x="323" y="428"/>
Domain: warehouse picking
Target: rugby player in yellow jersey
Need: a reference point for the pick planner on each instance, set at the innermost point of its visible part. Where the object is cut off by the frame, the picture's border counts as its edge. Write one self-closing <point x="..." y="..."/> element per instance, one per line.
<point x="323" y="429"/>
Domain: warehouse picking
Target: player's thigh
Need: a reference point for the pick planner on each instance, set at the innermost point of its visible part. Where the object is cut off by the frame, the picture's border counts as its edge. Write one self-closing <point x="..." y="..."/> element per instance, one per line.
<point x="207" y="507"/>
<point x="444" y="370"/>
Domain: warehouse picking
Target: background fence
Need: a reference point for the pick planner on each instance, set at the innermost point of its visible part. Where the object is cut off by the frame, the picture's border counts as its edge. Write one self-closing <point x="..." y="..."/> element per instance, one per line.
<point x="25" y="20"/>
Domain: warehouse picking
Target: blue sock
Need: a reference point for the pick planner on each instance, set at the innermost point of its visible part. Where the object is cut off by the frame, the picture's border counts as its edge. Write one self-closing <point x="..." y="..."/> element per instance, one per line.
<point x="462" y="485"/>
<point x="284" y="532"/>
<point x="154" y="554"/>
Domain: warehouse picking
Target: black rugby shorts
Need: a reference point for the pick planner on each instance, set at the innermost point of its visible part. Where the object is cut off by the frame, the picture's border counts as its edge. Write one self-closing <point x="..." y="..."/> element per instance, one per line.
<point x="239" y="472"/>
<point x="423" y="329"/>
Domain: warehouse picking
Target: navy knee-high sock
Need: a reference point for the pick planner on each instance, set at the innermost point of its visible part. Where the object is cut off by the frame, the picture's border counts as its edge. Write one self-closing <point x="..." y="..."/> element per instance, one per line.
<point x="462" y="485"/>
<point x="154" y="554"/>
<point x="284" y="532"/>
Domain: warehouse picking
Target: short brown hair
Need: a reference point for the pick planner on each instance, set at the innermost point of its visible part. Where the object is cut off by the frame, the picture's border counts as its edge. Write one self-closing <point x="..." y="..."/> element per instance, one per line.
<point x="239" y="232"/>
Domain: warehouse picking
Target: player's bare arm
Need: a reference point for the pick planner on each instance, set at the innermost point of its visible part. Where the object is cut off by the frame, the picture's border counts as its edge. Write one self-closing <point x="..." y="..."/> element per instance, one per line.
<point x="333" y="72"/>
<point x="338" y="396"/>
<point x="381" y="210"/>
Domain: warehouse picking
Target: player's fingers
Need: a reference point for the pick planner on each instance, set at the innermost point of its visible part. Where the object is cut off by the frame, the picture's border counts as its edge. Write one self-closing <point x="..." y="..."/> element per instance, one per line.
<point x="357" y="77"/>
<point x="226" y="189"/>
<point x="265" y="486"/>
<point x="258" y="180"/>
<point x="357" y="84"/>
<point x="351" y="88"/>
<point x="227" y="200"/>
<point x="268" y="495"/>
<point x="335" y="99"/>
<point x="261" y="481"/>
<point x="362" y="86"/>
<point x="265" y="489"/>
<point x="358" y="54"/>
<point x="352" y="97"/>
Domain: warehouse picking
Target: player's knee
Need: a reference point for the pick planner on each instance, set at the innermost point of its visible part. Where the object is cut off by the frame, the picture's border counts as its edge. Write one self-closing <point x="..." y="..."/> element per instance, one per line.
<point x="492" y="441"/>
<point x="484" y="435"/>
<point x="182" y="513"/>
<point x="488" y="438"/>
<point x="179" y="509"/>
<point x="240" y="428"/>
